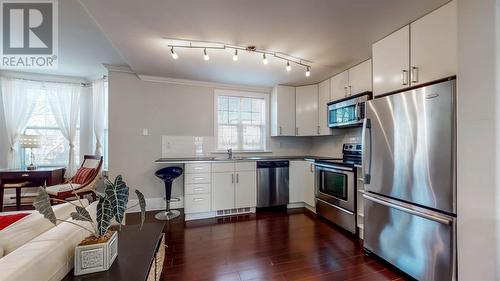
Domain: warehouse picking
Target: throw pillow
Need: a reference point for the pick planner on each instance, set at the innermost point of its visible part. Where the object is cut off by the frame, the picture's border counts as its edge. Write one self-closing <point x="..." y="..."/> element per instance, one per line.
<point x="83" y="175"/>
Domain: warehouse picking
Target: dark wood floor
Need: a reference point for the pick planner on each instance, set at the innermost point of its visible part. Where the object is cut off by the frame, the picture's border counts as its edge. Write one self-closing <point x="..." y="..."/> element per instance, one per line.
<point x="271" y="246"/>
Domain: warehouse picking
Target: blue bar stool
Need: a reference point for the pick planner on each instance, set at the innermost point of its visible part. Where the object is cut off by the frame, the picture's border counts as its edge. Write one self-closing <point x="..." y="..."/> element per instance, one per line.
<point x="168" y="175"/>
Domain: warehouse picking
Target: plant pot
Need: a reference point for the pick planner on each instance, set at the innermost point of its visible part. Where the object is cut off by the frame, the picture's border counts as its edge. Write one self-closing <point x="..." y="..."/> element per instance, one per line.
<point x="96" y="257"/>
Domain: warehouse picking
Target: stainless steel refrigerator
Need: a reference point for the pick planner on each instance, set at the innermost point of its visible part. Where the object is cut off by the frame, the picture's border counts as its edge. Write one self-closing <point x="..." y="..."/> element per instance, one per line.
<point x="409" y="166"/>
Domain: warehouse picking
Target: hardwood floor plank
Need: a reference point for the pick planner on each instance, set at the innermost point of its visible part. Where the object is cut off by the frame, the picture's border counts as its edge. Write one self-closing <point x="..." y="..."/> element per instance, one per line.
<point x="271" y="246"/>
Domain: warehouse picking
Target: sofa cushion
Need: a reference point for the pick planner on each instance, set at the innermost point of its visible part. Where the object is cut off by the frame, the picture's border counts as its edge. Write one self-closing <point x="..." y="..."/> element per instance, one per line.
<point x="49" y="256"/>
<point x="55" y="189"/>
<point x="6" y="220"/>
<point x="31" y="226"/>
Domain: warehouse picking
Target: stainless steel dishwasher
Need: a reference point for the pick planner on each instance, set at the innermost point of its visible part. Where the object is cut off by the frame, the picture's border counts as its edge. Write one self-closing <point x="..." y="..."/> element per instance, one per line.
<point x="272" y="183"/>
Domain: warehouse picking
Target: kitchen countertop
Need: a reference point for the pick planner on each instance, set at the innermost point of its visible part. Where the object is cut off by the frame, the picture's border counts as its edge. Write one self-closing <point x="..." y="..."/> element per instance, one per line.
<point x="209" y="159"/>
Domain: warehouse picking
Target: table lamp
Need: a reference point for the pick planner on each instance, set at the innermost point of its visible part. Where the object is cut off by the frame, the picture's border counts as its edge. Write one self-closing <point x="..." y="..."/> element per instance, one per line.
<point x="30" y="141"/>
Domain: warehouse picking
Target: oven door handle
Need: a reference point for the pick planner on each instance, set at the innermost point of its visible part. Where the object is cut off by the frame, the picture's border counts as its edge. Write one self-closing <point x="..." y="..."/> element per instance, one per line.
<point x="326" y="167"/>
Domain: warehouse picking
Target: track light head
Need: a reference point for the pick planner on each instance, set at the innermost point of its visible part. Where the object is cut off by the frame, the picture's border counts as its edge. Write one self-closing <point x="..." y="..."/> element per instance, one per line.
<point x="174" y="54"/>
<point x="288" y="66"/>
<point x="308" y="72"/>
<point x="235" y="56"/>
<point x="264" y="59"/>
<point x="205" y="55"/>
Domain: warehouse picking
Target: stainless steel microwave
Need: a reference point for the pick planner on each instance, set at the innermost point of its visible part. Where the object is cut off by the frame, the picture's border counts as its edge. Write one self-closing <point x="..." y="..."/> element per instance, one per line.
<point x="348" y="112"/>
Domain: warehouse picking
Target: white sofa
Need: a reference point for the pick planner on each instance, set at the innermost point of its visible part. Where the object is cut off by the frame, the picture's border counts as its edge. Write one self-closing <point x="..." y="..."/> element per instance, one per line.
<point x="41" y="253"/>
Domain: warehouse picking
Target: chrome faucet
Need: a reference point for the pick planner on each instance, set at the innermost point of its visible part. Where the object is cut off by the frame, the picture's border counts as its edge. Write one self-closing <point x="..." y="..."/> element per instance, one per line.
<point x="230" y="153"/>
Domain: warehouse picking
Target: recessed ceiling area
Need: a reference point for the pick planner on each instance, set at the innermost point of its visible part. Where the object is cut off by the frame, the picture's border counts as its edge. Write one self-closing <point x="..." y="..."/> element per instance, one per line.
<point x="333" y="34"/>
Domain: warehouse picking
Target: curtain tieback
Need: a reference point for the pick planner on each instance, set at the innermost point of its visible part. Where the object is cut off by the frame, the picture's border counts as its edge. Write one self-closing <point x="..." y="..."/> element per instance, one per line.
<point x="71" y="145"/>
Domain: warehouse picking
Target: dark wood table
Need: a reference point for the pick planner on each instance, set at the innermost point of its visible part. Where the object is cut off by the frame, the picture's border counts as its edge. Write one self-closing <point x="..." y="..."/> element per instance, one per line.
<point x="136" y="253"/>
<point x="35" y="178"/>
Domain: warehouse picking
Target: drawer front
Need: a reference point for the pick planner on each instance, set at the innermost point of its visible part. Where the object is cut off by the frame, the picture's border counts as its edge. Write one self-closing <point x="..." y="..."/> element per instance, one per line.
<point x="223" y="167"/>
<point x="197" y="203"/>
<point x="246" y="166"/>
<point x="197" y="178"/>
<point x="196" y="168"/>
<point x="197" y="188"/>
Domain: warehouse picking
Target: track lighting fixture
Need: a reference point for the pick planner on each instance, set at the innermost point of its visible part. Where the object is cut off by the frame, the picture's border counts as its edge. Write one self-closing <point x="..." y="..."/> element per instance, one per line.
<point x="205" y="55"/>
<point x="174" y="54"/>
<point x="189" y="44"/>
<point x="235" y="56"/>
<point x="264" y="59"/>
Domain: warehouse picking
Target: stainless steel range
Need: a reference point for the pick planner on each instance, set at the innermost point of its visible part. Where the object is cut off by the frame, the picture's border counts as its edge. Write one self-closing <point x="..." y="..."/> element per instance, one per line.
<point x="336" y="187"/>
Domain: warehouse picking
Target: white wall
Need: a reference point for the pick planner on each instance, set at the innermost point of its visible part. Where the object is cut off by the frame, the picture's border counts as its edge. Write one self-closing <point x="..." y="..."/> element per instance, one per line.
<point x="478" y="171"/>
<point x="165" y="110"/>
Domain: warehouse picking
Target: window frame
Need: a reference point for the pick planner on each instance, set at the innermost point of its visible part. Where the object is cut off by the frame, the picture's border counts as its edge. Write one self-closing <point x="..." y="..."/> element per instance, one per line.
<point x="241" y="94"/>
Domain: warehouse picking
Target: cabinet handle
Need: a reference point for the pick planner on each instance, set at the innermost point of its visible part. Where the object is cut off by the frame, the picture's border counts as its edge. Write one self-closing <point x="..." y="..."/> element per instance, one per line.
<point x="414" y="74"/>
<point x="199" y="189"/>
<point x="345" y="91"/>
<point x="232" y="178"/>
<point x="198" y="199"/>
<point x="237" y="178"/>
<point x="350" y="90"/>
<point x="25" y="175"/>
<point x="280" y="130"/>
<point x="199" y="178"/>
<point x="297" y="131"/>
<point x="404" y="77"/>
<point x="198" y="168"/>
<point x="311" y="167"/>
<point x="317" y="129"/>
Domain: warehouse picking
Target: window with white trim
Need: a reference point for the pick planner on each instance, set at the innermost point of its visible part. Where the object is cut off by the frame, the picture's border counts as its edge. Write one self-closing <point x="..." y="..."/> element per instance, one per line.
<point x="241" y="122"/>
<point x="54" y="149"/>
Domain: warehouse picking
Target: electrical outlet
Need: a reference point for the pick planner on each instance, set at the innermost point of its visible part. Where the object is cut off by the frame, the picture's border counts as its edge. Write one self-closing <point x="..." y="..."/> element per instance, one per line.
<point x="145" y="132"/>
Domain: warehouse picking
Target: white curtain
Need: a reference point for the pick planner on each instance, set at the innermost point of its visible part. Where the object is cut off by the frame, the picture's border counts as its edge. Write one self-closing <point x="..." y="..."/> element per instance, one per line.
<point x="18" y="100"/>
<point x="99" y="114"/>
<point x="64" y="100"/>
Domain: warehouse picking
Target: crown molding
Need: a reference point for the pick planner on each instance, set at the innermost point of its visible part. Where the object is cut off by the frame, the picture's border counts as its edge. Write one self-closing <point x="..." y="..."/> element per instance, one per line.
<point x="159" y="79"/>
<point x="119" y="68"/>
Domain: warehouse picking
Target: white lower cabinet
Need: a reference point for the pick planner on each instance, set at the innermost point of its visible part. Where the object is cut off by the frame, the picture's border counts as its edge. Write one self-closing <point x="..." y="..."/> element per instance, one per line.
<point x="197" y="203"/>
<point x="234" y="185"/>
<point x="302" y="182"/>
<point x="222" y="191"/>
<point x="246" y="189"/>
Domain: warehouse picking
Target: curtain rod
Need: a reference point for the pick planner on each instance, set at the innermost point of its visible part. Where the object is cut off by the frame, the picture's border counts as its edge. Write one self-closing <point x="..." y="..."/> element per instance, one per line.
<point x="83" y="84"/>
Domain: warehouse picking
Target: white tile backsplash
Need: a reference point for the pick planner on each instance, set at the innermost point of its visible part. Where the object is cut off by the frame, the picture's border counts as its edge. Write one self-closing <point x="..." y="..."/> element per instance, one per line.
<point x="186" y="146"/>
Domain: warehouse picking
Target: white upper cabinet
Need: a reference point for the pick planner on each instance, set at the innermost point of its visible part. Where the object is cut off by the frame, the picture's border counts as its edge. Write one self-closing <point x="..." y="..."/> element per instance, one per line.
<point x="283" y="111"/>
<point x="307" y="110"/>
<point x="360" y="78"/>
<point x="340" y="85"/>
<point x="391" y="59"/>
<point x="434" y="45"/>
<point x="323" y="99"/>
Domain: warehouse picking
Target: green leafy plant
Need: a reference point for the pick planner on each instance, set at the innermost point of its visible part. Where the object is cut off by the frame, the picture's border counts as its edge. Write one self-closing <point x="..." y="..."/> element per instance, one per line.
<point x="112" y="205"/>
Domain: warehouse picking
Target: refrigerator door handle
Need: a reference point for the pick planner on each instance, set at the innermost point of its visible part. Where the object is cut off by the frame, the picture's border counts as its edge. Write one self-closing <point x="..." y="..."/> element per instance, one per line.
<point x="366" y="127"/>
<point x="434" y="217"/>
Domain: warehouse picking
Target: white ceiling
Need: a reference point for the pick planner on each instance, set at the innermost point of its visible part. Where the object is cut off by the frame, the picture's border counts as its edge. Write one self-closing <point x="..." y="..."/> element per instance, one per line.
<point x="334" y="34"/>
<point x="83" y="48"/>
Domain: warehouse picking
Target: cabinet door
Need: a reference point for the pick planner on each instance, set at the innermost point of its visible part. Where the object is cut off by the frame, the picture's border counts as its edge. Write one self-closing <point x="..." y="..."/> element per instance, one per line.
<point x="307" y="110"/>
<point x="246" y="189"/>
<point x="309" y="191"/>
<point x="339" y="86"/>
<point x="222" y="191"/>
<point x="297" y="181"/>
<point x="323" y="99"/>
<point x="283" y="111"/>
<point x="360" y="78"/>
<point x="391" y="59"/>
<point x="434" y="45"/>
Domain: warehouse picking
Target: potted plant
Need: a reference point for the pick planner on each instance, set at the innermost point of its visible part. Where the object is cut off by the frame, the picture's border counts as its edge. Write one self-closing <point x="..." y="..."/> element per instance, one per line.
<point x="98" y="251"/>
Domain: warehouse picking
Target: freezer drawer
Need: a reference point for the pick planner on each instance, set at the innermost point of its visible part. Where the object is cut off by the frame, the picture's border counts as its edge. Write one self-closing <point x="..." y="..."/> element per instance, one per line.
<point x="422" y="244"/>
